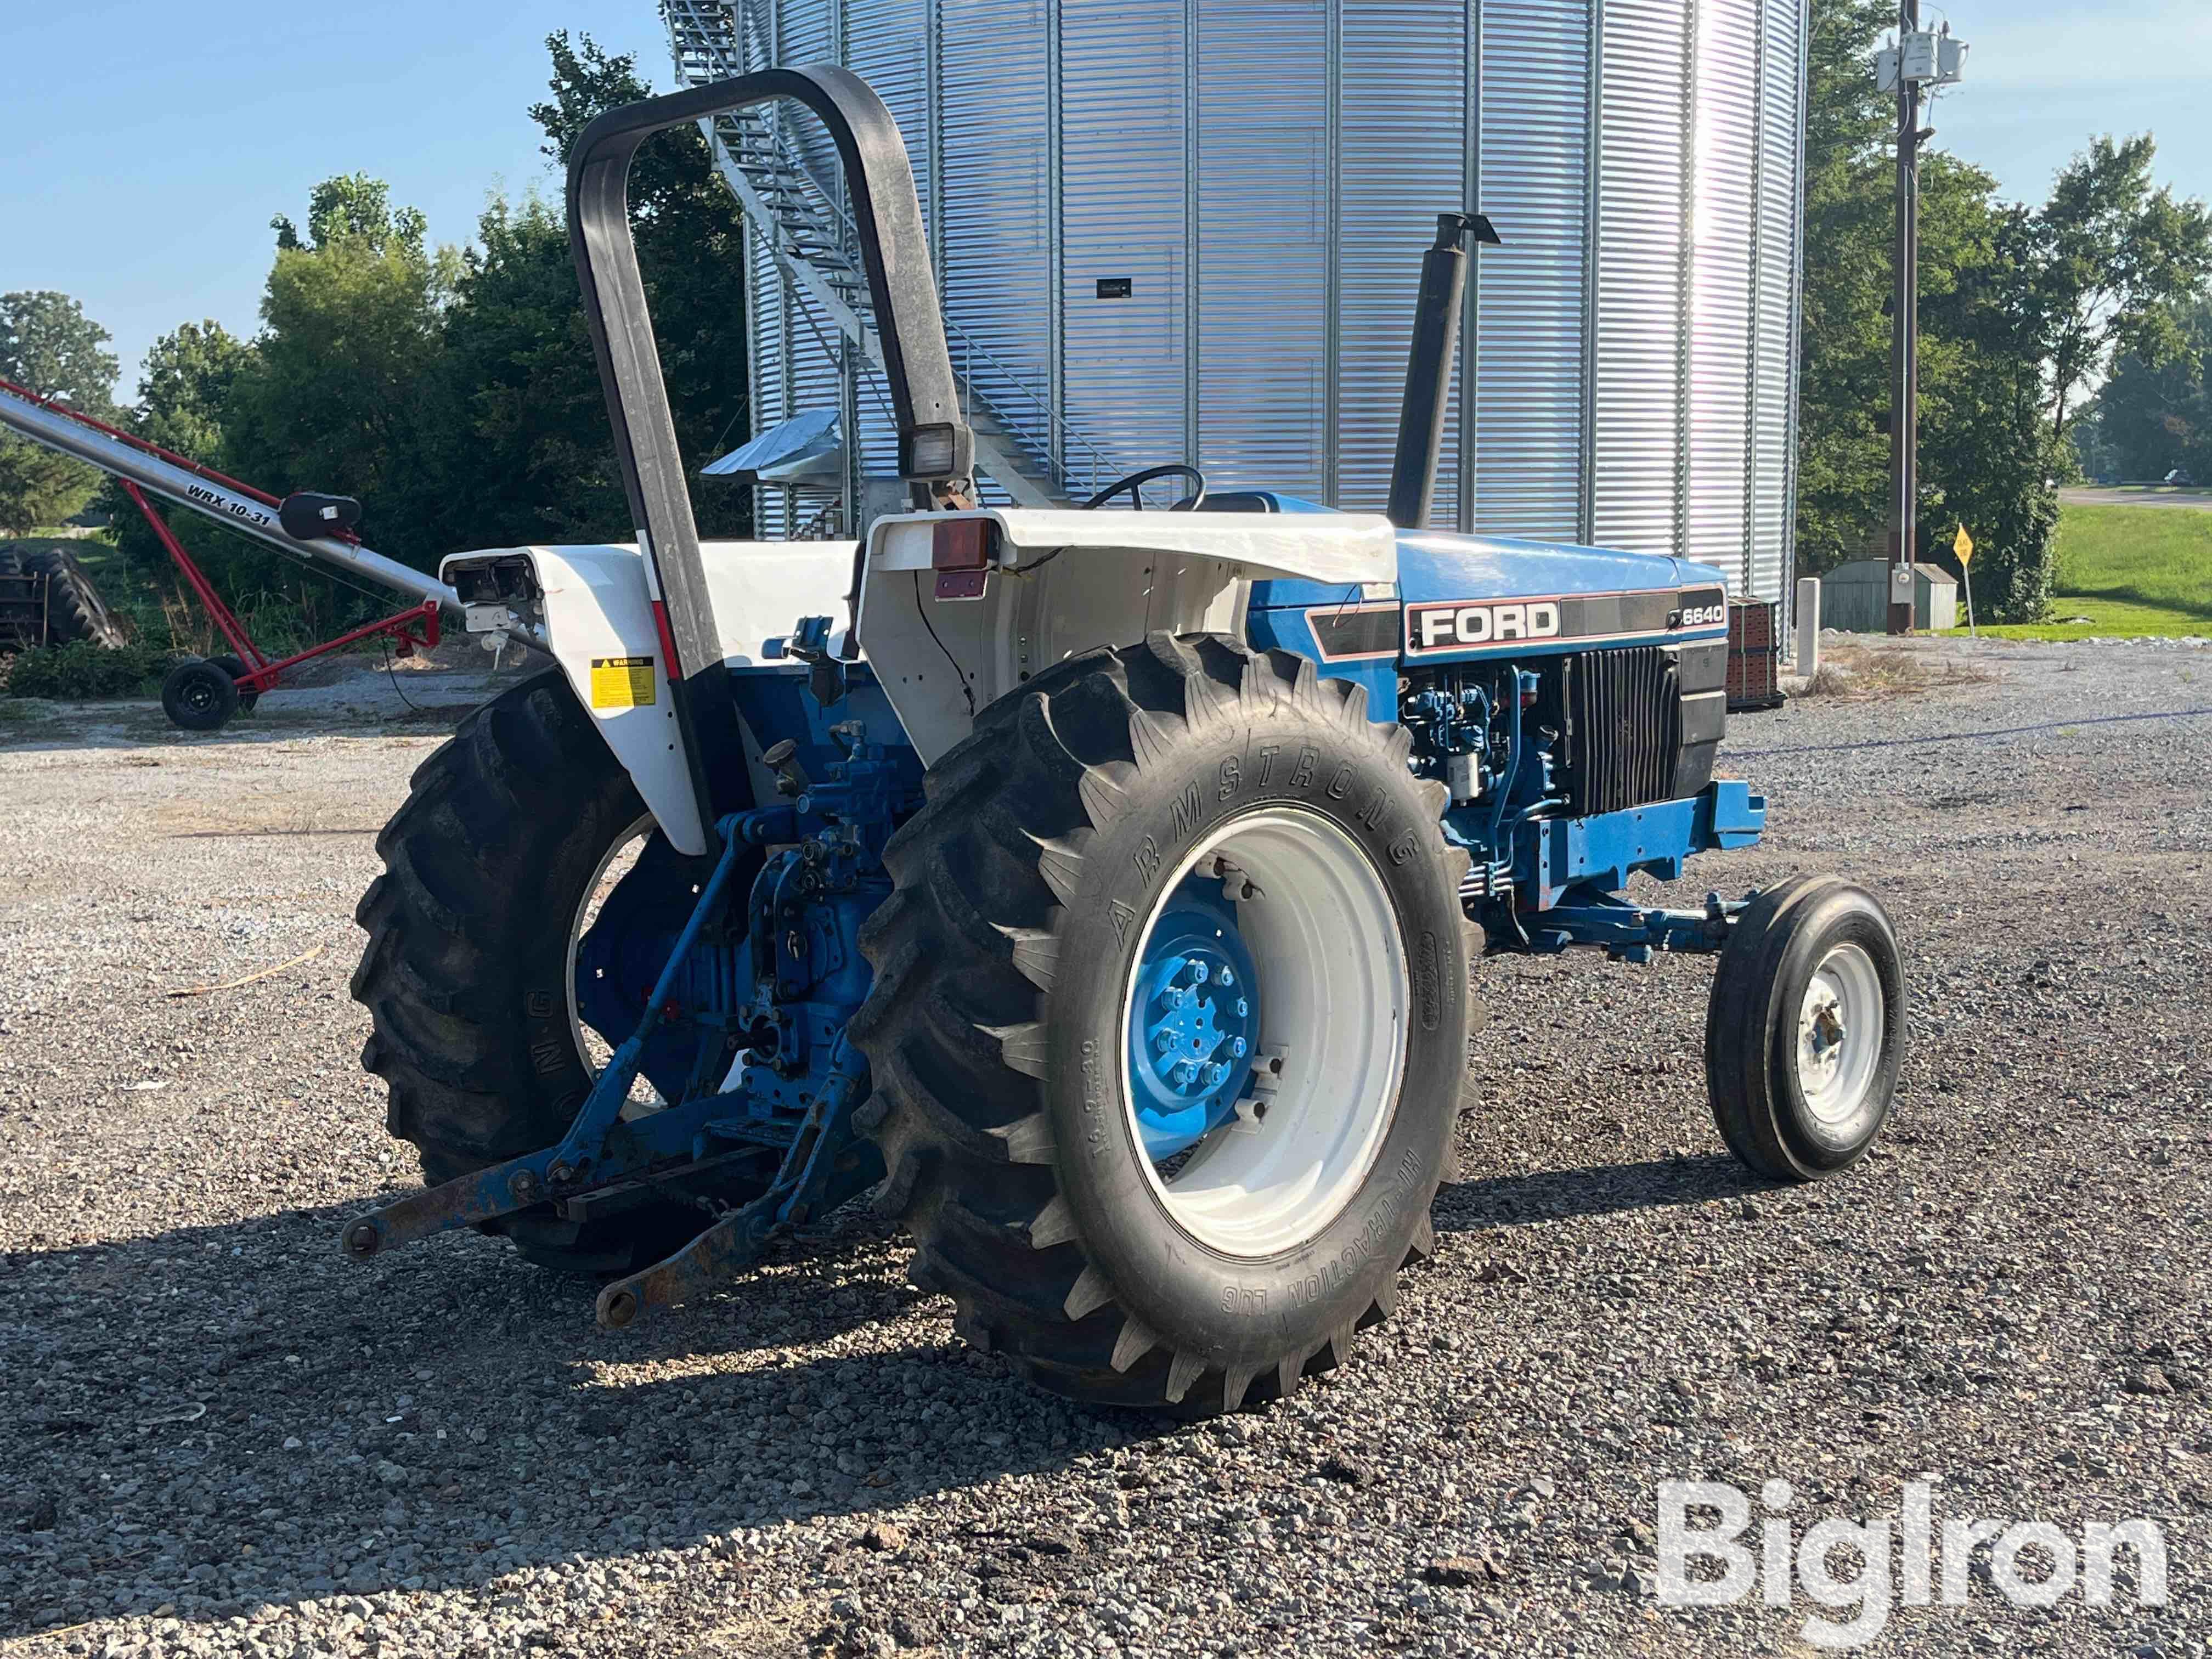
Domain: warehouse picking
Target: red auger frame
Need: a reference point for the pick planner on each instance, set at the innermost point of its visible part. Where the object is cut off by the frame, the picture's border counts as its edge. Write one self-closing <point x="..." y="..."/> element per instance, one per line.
<point x="316" y="529"/>
<point x="418" y="625"/>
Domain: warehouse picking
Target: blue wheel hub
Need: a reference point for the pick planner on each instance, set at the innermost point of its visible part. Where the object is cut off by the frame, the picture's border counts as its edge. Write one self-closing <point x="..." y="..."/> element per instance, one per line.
<point x="1194" y="1021"/>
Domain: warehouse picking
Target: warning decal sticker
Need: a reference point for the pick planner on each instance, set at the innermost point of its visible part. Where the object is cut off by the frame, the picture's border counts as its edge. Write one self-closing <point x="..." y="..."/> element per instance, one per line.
<point x="621" y="681"/>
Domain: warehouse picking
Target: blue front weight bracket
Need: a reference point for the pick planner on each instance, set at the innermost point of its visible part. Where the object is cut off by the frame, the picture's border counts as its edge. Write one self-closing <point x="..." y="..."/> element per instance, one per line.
<point x="584" y="1159"/>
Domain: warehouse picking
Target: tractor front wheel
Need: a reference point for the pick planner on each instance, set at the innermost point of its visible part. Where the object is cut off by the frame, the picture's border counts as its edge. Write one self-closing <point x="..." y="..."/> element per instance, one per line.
<point x="1169" y="1030"/>
<point x="1806" y="1028"/>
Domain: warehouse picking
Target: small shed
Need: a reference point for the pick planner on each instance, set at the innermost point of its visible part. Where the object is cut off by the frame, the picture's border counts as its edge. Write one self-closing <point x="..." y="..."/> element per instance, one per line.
<point x="1854" y="597"/>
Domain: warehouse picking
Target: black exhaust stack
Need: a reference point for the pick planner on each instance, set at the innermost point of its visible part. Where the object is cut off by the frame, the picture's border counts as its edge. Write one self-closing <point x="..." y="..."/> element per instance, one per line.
<point x="1429" y="366"/>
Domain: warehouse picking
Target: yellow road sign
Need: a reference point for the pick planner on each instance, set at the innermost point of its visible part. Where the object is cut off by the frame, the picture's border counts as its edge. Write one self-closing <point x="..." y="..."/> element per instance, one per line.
<point x="1963" y="544"/>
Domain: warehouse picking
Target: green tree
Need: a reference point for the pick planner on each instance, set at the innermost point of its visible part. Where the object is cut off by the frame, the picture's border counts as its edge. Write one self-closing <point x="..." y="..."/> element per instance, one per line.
<point x="1843" y="463"/>
<point x="49" y="344"/>
<point x="342" y="391"/>
<point x="2116" y="259"/>
<point x="534" y="458"/>
<point x="2021" y="309"/>
<point x="184" y="393"/>
<point x="523" y="351"/>
<point x="531" y="456"/>
<point x="1988" y="457"/>
<point x="2150" y="418"/>
<point x="354" y="208"/>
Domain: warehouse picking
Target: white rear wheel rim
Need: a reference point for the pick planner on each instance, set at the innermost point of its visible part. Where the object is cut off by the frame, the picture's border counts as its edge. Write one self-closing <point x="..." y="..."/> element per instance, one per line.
<point x="1335" y="990"/>
<point x="1841" y="1022"/>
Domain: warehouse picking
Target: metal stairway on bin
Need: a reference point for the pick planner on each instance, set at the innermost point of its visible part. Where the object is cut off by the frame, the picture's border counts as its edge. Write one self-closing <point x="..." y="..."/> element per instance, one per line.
<point x="813" y="241"/>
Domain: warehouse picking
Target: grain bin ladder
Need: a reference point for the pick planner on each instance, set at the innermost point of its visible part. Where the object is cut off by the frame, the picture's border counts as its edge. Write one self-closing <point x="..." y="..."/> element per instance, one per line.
<point x="1030" y="451"/>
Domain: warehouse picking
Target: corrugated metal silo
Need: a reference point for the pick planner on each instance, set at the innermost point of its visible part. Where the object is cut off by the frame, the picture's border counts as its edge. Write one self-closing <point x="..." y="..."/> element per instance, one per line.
<point x="1190" y="230"/>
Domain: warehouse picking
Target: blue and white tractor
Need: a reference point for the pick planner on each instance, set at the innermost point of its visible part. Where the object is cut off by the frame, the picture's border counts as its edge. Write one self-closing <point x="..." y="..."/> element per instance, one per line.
<point x="1100" y="888"/>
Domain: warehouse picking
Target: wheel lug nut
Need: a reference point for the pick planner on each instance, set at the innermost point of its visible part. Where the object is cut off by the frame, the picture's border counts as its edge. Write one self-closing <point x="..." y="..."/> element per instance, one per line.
<point x="1243" y="1008"/>
<point x="1238" y="1046"/>
<point x="1199" y="973"/>
<point x="1228" y="977"/>
<point x="1214" y="1073"/>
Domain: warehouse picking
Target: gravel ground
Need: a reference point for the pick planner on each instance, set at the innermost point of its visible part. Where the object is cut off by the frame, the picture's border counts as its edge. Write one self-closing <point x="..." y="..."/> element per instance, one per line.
<point x="221" y="1439"/>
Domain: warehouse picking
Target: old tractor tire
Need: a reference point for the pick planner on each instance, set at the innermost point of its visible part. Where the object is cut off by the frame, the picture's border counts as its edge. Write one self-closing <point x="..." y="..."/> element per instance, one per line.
<point x="198" y="697"/>
<point x="1805" y="1030"/>
<point x="235" y="668"/>
<point x="1168" y="1027"/>
<point x="75" y="609"/>
<point x="504" y="830"/>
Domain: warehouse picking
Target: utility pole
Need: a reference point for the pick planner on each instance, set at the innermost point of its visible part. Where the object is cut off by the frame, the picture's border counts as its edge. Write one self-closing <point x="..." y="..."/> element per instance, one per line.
<point x="1905" y="340"/>
<point x="1937" y="60"/>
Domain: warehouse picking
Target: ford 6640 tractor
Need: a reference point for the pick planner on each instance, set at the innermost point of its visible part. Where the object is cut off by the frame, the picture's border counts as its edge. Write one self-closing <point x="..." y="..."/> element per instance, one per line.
<point x="1100" y="888"/>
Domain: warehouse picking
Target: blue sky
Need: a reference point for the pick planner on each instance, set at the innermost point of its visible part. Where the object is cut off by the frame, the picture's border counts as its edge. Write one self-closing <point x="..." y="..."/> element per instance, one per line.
<point x="143" y="147"/>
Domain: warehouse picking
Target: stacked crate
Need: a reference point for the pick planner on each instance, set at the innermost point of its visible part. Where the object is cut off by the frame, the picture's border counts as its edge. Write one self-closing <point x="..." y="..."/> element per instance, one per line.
<point x="1754" y="666"/>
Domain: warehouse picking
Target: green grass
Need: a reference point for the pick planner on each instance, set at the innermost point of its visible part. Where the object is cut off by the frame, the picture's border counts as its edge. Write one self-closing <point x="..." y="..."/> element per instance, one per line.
<point x="2146" y="555"/>
<point x="2131" y="571"/>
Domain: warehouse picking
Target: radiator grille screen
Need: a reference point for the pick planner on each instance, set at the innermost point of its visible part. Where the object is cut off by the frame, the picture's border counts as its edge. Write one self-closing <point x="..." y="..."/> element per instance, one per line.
<point x="1624" y="728"/>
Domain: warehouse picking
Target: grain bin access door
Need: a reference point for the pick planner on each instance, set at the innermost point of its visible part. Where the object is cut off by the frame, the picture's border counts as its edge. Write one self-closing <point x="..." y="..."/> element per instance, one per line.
<point x="935" y="449"/>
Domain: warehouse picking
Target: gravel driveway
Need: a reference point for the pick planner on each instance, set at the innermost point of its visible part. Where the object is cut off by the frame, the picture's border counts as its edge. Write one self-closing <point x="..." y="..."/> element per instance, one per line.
<point x="221" y="1437"/>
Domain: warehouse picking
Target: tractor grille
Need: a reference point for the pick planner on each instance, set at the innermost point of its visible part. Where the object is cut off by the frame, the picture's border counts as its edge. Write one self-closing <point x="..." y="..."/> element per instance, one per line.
<point x="1624" y="728"/>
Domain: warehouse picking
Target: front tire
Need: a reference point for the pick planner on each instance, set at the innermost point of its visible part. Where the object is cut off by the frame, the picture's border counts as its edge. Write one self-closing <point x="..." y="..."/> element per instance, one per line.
<point x="1805" y="1030"/>
<point x="1128" y="1224"/>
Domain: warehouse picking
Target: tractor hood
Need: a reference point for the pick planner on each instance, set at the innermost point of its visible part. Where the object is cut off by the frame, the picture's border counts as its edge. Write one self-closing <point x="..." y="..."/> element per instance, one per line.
<point x="1462" y="597"/>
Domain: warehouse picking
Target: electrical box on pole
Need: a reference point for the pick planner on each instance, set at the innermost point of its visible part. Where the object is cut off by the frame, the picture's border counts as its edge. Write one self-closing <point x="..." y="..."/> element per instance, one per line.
<point x="1930" y="59"/>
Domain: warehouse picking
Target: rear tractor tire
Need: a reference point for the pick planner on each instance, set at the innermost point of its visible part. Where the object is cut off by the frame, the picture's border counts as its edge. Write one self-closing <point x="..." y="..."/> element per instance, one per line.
<point x="1805" y="1030"/>
<point x="75" y="609"/>
<point x="507" y="832"/>
<point x="1169" y="1030"/>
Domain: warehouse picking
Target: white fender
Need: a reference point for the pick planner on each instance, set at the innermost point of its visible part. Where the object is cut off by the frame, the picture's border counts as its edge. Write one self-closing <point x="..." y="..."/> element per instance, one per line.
<point x="595" y="618"/>
<point x="1066" y="582"/>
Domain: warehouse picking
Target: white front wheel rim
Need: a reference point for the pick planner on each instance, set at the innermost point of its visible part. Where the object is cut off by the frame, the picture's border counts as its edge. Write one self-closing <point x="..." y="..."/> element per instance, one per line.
<point x="1841" y="1022"/>
<point x="1335" y="990"/>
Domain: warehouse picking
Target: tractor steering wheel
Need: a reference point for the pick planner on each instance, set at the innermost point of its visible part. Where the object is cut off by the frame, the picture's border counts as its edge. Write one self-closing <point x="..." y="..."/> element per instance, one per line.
<point x="1135" y="482"/>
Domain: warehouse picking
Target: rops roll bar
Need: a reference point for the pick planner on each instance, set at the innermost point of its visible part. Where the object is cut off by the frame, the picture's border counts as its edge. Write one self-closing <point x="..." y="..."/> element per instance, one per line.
<point x="936" y="447"/>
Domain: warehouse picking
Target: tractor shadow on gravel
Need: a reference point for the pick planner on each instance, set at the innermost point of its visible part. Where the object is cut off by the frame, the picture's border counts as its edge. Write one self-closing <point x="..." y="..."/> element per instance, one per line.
<point x="1598" y="1189"/>
<point x="231" y="1416"/>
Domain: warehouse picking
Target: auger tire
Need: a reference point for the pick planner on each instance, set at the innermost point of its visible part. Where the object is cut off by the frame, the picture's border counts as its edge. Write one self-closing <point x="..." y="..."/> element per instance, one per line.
<point x="235" y="667"/>
<point x="75" y="609"/>
<point x="485" y="866"/>
<point x="198" y="697"/>
<point x="1006" y="961"/>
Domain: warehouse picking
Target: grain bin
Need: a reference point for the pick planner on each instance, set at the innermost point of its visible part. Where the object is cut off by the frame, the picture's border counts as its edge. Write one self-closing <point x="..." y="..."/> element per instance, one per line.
<point x="1190" y="230"/>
